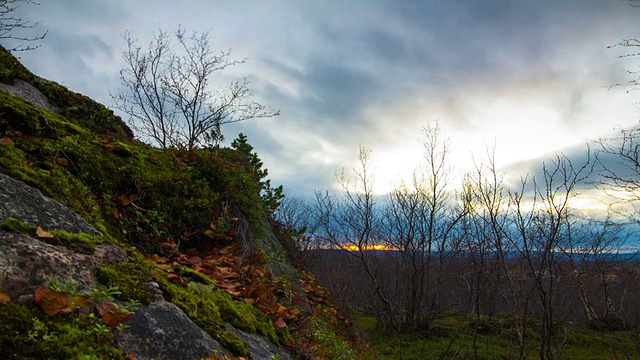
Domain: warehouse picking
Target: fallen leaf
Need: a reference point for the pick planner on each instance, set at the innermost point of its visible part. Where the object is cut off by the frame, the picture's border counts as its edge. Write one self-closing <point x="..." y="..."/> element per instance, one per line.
<point x="178" y="279"/>
<point x="62" y="161"/>
<point x="69" y="137"/>
<point x="43" y="234"/>
<point x="123" y="200"/>
<point x="4" y="298"/>
<point x="168" y="246"/>
<point x="82" y="304"/>
<point x="274" y="308"/>
<point x="51" y="301"/>
<point x="6" y="141"/>
<point x="279" y="323"/>
<point x="112" y="315"/>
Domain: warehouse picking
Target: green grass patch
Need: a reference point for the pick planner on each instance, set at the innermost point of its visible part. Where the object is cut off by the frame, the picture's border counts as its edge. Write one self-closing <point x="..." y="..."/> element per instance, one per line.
<point x="453" y="338"/>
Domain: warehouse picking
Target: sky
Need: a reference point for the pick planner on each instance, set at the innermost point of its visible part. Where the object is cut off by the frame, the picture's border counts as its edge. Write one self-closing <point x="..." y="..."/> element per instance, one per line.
<point x="531" y="78"/>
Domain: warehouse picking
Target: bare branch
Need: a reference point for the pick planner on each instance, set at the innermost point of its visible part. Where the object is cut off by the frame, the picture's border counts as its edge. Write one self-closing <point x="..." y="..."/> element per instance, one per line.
<point x="11" y="25"/>
<point x="169" y="96"/>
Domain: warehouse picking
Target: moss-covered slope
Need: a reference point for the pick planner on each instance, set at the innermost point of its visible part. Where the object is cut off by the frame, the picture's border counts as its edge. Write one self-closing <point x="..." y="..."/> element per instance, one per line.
<point x="194" y="222"/>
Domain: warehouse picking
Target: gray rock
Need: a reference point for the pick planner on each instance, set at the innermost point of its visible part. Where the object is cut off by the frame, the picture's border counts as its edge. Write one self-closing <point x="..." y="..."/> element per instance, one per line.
<point x="29" y="93"/>
<point x="162" y="331"/>
<point x="260" y="347"/>
<point x="26" y="264"/>
<point x="29" y="205"/>
<point x="159" y="330"/>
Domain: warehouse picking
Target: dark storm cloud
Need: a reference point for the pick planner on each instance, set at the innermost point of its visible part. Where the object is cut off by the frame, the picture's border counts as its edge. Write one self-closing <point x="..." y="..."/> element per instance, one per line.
<point x="372" y="73"/>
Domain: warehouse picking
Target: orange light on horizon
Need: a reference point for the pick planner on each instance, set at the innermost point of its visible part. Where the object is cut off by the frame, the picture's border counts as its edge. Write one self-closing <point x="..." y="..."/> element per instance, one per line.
<point x="380" y="247"/>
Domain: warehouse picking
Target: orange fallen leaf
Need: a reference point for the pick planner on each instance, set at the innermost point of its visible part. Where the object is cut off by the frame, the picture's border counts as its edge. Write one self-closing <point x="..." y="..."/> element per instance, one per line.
<point x="177" y="278"/>
<point x="4" y="298"/>
<point x="43" y="234"/>
<point x="168" y="246"/>
<point x="6" y="141"/>
<point x="82" y="304"/>
<point x="62" y="161"/>
<point x="69" y="137"/>
<point x="112" y="315"/>
<point x="279" y="323"/>
<point x="80" y="301"/>
<point x="51" y="301"/>
<point x="164" y="266"/>
<point x="123" y="200"/>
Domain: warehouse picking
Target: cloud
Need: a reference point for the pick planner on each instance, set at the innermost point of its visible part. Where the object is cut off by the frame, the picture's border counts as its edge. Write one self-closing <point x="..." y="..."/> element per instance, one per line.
<point x="530" y="76"/>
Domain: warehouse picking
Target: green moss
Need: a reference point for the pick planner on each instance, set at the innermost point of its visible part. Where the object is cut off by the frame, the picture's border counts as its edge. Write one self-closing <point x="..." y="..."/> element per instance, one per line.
<point x="53" y="181"/>
<point x="326" y="334"/>
<point x="30" y="334"/>
<point x="193" y="275"/>
<point x="129" y="278"/>
<point x="82" y="243"/>
<point x="237" y="313"/>
<point x="11" y="68"/>
<point x="203" y="310"/>
<point x="16" y="226"/>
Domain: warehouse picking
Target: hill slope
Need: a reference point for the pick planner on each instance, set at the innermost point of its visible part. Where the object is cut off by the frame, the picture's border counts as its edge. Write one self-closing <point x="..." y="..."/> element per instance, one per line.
<point x="190" y="237"/>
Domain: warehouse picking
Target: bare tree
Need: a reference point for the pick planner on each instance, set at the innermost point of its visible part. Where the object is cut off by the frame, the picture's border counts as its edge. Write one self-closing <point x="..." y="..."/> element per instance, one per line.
<point x="168" y="91"/>
<point x="11" y="25"/>
<point x="619" y="164"/>
<point x="421" y="221"/>
<point x="351" y="223"/>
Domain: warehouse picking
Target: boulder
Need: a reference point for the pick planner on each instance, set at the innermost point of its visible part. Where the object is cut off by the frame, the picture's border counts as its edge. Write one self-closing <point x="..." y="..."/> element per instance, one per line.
<point x="26" y="264"/>
<point x="29" y="205"/>
<point x="161" y="330"/>
<point x="260" y="347"/>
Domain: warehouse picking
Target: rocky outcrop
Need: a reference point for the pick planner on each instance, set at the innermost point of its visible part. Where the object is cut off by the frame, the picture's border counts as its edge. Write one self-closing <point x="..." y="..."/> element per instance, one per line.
<point x="159" y="330"/>
<point x="260" y="347"/>
<point x="26" y="264"/>
<point x="29" y="205"/>
<point x="29" y="93"/>
<point x="162" y="331"/>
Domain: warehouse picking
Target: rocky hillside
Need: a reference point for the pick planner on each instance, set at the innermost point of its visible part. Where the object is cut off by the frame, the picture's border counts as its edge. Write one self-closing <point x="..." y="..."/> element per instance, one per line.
<point x="113" y="249"/>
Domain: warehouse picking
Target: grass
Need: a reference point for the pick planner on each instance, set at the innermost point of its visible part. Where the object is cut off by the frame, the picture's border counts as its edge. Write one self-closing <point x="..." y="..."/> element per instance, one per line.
<point x="445" y="341"/>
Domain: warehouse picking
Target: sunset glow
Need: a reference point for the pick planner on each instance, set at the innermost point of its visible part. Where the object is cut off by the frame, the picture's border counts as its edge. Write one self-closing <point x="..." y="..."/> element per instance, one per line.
<point x="379" y="247"/>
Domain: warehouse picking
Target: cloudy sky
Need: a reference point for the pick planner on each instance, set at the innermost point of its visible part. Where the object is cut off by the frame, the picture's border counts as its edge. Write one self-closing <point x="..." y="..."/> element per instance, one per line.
<point x="531" y="77"/>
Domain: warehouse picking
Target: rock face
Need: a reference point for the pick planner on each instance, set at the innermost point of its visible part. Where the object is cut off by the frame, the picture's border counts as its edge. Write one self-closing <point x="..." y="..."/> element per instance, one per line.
<point x="27" y="204"/>
<point x="29" y="93"/>
<point x="26" y="263"/>
<point x="260" y="347"/>
<point x="159" y="330"/>
<point x="162" y="331"/>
